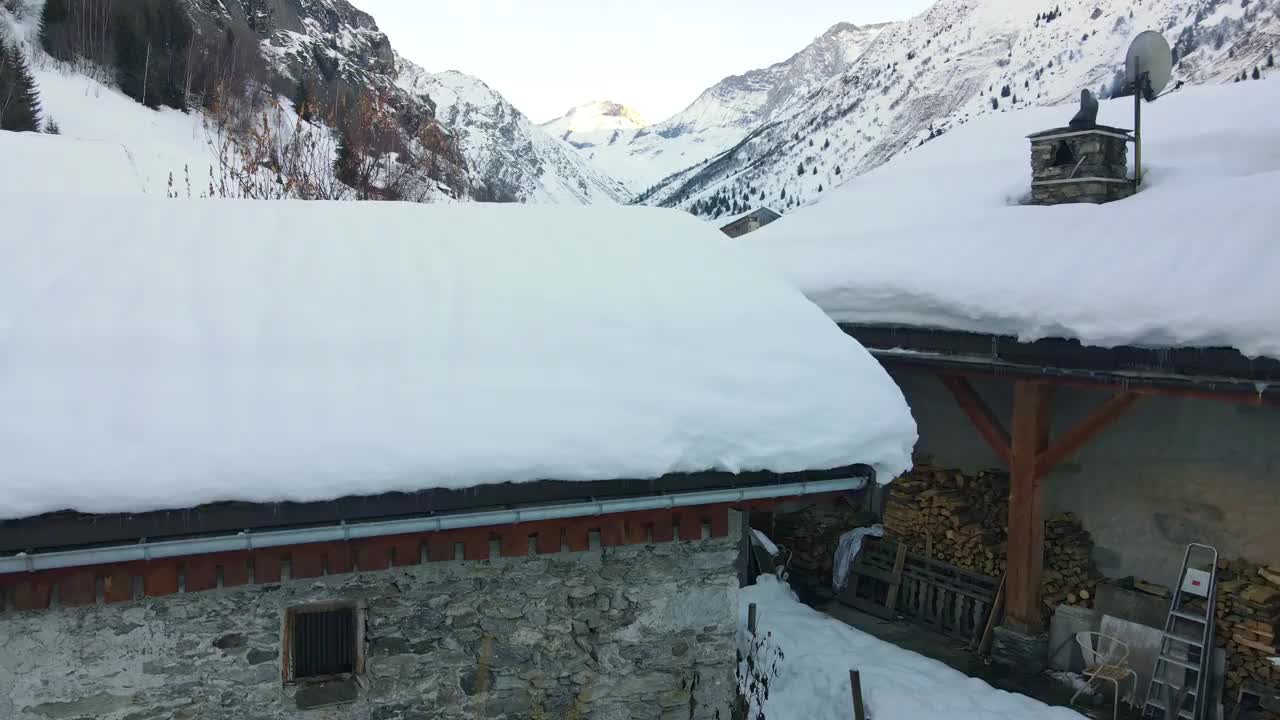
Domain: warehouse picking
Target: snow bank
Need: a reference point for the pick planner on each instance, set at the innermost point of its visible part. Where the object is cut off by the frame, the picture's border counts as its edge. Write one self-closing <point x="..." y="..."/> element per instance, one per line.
<point x="819" y="652"/>
<point x="936" y="239"/>
<point x="32" y="162"/>
<point x="162" y="353"/>
<point x="153" y="143"/>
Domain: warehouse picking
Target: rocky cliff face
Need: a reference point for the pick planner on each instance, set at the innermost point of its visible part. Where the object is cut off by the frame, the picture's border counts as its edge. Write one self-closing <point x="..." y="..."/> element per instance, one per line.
<point x="463" y="138"/>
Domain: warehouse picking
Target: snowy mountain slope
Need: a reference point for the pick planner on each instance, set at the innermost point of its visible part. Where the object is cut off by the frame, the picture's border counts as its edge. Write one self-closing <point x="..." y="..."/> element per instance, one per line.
<point x="956" y="61"/>
<point x="723" y="115"/>
<point x="603" y="116"/>
<point x="483" y="150"/>
<point x="513" y="159"/>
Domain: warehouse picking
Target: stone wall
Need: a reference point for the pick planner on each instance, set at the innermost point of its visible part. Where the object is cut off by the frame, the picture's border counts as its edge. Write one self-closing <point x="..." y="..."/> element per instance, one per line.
<point x="638" y="631"/>
<point x="1070" y="160"/>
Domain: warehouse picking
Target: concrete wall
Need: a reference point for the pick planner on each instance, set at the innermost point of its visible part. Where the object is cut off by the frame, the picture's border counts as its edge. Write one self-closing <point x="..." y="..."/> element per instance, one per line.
<point x="627" y="632"/>
<point x="1170" y="472"/>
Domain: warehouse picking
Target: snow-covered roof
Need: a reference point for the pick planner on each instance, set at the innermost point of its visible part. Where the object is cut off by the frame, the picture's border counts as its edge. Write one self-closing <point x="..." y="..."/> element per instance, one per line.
<point x="165" y="353"/>
<point x="937" y="238"/>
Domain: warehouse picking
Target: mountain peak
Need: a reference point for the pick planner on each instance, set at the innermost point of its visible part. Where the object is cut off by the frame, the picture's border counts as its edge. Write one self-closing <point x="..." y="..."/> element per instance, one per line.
<point x="596" y="116"/>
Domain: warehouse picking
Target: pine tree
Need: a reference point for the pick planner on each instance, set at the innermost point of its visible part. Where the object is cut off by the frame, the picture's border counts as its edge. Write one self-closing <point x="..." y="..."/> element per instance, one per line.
<point x="303" y="103"/>
<point x="51" y="127"/>
<point x="800" y="169"/>
<point x="1271" y="59"/>
<point x="815" y="169"/>
<point x="1257" y="74"/>
<point x="995" y="103"/>
<point x="344" y="163"/>
<point x="838" y="170"/>
<point x="52" y="19"/>
<point x="19" y="98"/>
<point x="1005" y="91"/>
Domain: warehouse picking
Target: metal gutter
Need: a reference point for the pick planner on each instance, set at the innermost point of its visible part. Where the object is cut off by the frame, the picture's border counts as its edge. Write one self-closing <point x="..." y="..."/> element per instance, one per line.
<point x="245" y="540"/>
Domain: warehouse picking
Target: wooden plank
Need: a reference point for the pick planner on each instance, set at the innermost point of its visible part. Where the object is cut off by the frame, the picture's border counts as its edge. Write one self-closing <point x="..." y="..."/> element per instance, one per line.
<point x="406" y="550"/>
<point x="338" y="558"/>
<point x="515" y="541"/>
<point x="984" y="643"/>
<point x="117" y="585"/>
<point x="577" y="536"/>
<point x="549" y="539"/>
<point x="985" y="421"/>
<point x="613" y="531"/>
<point x="441" y="547"/>
<point x="475" y="544"/>
<point x="77" y="589"/>
<point x="306" y="561"/>
<point x="200" y="573"/>
<point x="235" y="569"/>
<point x="1072" y="441"/>
<point x="662" y="527"/>
<point x="719" y="520"/>
<point x="32" y="593"/>
<point x="1031" y="406"/>
<point x="855" y="684"/>
<point x="690" y="525"/>
<point x="266" y="567"/>
<point x="160" y="578"/>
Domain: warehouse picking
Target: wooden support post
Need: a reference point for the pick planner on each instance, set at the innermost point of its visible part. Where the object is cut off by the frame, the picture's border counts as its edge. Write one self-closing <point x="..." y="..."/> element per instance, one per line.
<point x="855" y="685"/>
<point x="1031" y="405"/>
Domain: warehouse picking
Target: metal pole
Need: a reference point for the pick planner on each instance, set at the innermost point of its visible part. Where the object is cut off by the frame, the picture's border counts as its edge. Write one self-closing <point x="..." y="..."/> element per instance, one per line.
<point x="1137" y="124"/>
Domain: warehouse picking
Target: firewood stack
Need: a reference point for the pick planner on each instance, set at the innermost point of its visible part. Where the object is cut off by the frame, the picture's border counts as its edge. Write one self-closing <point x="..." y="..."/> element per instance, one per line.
<point x="963" y="520"/>
<point x="812" y="535"/>
<point x="1068" y="575"/>
<point x="951" y="516"/>
<point x="1248" y="614"/>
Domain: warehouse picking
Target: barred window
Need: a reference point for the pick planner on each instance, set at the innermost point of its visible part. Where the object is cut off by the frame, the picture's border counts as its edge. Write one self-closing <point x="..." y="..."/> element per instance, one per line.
<point x="322" y="641"/>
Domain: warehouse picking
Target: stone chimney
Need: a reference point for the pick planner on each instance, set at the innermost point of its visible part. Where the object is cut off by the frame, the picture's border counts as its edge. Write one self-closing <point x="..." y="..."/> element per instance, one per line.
<point x="1071" y="165"/>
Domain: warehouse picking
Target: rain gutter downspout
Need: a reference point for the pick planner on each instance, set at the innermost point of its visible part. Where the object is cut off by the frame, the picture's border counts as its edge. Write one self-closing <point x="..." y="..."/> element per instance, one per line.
<point x="245" y="540"/>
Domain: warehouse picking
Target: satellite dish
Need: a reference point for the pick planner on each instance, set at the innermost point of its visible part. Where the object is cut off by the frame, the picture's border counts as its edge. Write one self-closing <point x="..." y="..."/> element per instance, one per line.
<point x="1149" y="64"/>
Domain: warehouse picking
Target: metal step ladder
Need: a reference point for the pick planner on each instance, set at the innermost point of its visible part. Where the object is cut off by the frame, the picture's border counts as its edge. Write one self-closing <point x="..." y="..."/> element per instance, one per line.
<point x="1181" y="673"/>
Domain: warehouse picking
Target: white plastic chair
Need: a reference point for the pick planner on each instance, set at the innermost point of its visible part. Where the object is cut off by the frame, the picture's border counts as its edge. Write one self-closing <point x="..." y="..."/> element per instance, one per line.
<point x="1104" y="661"/>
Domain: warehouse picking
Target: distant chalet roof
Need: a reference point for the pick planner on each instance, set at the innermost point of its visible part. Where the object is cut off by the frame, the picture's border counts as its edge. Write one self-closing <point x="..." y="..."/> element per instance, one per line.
<point x="763" y="214"/>
<point x="162" y="355"/>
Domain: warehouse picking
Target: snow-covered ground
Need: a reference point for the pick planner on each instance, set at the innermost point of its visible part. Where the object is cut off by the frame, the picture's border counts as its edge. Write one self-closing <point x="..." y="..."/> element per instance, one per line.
<point x="152" y="143"/>
<point x="819" y="652"/>
<point x="937" y="238"/>
<point x="163" y="353"/>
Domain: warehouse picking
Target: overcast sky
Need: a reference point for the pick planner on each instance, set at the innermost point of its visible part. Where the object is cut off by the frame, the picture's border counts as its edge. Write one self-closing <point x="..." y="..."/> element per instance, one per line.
<point x="546" y="56"/>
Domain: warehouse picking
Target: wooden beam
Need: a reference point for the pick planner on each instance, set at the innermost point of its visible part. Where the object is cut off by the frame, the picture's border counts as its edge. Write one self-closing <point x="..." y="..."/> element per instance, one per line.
<point x="1031" y="405"/>
<point x="988" y="425"/>
<point x="1071" y="442"/>
<point x="1136" y="385"/>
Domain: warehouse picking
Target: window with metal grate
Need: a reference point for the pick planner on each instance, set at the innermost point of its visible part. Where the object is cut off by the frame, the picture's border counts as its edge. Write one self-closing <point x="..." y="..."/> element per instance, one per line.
<point x="324" y="642"/>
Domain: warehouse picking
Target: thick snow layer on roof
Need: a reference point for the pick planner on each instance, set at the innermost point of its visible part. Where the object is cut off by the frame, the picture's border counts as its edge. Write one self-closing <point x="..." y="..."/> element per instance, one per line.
<point x="819" y="651"/>
<point x="164" y="353"/>
<point x="936" y="238"/>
